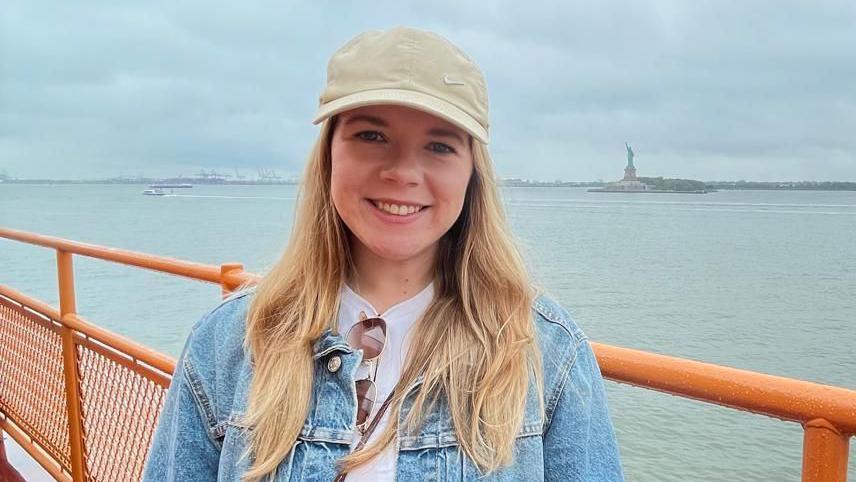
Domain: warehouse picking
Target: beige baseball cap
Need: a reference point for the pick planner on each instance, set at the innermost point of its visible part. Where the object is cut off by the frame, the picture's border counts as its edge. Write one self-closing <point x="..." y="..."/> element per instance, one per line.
<point x="409" y="67"/>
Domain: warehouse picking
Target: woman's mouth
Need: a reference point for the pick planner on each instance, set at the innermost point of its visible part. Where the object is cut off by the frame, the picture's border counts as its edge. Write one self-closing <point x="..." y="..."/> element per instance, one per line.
<point x="401" y="210"/>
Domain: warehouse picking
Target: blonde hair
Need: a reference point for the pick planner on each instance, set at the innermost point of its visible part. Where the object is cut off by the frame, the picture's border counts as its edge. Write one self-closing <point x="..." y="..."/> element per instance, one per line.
<point x="477" y="338"/>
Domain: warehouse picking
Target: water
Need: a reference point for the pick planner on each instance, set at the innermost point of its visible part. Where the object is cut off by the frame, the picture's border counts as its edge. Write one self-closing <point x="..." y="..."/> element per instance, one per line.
<point x="751" y="279"/>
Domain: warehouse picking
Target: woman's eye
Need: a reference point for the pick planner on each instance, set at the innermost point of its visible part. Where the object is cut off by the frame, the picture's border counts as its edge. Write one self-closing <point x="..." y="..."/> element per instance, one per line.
<point x="371" y="136"/>
<point x="441" y="148"/>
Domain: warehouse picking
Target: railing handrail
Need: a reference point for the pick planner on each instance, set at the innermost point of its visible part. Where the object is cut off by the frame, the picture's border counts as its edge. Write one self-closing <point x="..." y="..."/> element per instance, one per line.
<point x="771" y="395"/>
<point x="163" y="264"/>
<point x="828" y="413"/>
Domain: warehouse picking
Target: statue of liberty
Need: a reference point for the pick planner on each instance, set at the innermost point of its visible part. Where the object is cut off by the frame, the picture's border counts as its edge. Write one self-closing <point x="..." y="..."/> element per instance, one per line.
<point x="630" y="156"/>
<point x="630" y="170"/>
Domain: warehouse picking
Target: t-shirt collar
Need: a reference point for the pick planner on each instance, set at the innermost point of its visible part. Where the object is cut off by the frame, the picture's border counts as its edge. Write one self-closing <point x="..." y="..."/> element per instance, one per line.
<point x="352" y="303"/>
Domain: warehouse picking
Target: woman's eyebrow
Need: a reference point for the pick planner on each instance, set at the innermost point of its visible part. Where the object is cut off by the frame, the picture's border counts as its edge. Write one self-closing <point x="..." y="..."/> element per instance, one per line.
<point x="440" y="132"/>
<point x="367" y="118"/>
<point x="374" y="120"/>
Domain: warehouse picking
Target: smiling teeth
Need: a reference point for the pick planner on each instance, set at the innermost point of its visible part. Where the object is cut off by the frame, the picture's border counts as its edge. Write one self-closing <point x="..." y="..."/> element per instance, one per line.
<point x="399" y="210"/>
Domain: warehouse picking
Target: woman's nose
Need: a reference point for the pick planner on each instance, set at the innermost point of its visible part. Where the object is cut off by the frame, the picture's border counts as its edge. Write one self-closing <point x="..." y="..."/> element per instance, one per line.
<point x="403" y="168"/>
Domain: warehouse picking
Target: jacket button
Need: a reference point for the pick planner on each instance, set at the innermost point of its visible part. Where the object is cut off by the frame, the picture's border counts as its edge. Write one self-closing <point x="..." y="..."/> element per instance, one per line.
<point x="333" y="364"/>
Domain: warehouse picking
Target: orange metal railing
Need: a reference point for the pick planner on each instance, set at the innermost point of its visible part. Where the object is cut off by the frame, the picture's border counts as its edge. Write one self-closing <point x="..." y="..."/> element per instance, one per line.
<point x="87" y="432"/>
<point x="81" y="400"/>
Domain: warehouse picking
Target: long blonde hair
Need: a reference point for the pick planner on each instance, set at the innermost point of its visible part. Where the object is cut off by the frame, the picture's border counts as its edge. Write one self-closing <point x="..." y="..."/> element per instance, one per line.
<point x="477" y="339"/>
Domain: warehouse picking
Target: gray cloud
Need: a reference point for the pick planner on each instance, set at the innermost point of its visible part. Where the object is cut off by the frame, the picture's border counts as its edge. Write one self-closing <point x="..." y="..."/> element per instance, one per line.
<point x="707" y="90"/>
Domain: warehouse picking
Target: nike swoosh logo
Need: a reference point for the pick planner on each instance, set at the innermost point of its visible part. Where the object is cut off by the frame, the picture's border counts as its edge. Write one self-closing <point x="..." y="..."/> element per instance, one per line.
<point x="448" y="81"/>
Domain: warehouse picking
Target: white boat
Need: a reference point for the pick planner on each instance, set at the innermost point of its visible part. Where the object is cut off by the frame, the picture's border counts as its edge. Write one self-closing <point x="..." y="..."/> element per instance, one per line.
<point x="154" y="192"/>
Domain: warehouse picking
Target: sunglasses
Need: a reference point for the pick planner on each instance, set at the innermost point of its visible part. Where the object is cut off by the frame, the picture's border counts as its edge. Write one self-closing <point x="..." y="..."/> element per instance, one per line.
<point x="369" y="335"/>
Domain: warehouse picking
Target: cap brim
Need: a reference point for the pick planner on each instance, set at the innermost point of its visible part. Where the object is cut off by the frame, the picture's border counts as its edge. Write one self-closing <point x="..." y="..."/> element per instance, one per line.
<point x="408" y="98"/>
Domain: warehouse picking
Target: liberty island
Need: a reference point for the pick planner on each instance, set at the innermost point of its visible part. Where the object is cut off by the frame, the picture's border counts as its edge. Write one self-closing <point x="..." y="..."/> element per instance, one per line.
<point x="632" y="184"/>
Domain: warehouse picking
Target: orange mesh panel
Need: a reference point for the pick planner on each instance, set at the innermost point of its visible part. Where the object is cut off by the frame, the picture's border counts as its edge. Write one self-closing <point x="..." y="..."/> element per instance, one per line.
<point x="120" y="410"/>
<point x="32" y="384"/>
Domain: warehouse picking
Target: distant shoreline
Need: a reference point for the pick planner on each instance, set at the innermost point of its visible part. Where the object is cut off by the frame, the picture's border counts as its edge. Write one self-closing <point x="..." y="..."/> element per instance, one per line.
<point x="648" y="191"/>
<point x="712" y="186"/>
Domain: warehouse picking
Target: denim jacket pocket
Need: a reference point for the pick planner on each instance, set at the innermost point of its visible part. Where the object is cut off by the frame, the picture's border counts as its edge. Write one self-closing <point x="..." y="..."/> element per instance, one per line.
<point x="434" y="452"/>
<point x="444" y="460"/>
<point x="234" y="460"/>
<point x="312" y="457"/>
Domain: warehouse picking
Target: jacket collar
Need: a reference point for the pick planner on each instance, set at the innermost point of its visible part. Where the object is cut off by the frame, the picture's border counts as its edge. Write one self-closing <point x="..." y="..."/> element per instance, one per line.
<point x="329" y="342"/>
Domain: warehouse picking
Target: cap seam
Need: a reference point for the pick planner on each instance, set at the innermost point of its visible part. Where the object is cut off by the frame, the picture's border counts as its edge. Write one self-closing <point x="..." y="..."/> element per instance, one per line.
<point x="443" y="101"/>
<point x="413" y="51"/>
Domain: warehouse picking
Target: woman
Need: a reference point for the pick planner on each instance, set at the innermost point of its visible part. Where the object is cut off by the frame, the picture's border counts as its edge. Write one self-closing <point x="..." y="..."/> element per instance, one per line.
<point x="398" y="337"/>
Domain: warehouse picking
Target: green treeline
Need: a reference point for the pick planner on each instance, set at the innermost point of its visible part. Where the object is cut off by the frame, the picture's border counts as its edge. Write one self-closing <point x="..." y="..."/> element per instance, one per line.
<point x="666" y="184"/>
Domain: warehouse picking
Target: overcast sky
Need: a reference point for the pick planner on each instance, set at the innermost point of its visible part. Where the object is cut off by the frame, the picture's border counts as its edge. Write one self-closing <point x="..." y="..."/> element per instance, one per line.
<point x="760" y="90"/>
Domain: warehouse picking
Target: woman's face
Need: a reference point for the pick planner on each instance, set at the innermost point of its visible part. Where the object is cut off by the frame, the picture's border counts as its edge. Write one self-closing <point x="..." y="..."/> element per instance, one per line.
<point x="399" y="178"/>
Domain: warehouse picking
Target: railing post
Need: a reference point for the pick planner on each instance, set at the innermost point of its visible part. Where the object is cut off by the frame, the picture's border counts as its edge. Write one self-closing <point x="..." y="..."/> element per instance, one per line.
<point x="225" y="269"/>
<point x="825" y="451"/>
<point x="68" y="305"/>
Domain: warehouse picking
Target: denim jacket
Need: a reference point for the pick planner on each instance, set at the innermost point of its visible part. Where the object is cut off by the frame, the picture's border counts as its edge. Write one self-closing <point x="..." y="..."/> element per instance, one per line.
<point x="199" y="436"/>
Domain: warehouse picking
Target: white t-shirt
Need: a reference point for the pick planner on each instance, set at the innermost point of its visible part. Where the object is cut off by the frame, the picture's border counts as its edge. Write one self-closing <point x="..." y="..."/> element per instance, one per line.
<point x="399" y="319"/>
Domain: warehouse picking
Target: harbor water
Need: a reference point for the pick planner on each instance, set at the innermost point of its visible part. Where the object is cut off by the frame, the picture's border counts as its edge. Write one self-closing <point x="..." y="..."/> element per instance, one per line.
<point x="760" y="280"/>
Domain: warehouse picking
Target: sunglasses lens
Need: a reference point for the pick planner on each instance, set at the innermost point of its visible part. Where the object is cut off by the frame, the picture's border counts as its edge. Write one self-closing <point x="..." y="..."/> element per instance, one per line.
<point x="366" y="395"/>
<point x="368" y="335"/>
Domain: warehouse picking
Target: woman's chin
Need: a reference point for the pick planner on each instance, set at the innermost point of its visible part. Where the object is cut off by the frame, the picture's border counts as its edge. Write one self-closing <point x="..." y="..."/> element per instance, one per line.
<point x="396" y="251"/>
